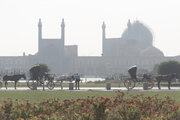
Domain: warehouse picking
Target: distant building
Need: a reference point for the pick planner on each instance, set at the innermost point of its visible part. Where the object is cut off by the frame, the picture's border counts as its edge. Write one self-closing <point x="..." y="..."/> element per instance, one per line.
<point x="134" y="47"/>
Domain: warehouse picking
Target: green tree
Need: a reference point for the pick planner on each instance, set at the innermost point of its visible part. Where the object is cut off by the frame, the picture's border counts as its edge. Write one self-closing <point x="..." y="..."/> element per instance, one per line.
<point x="44" y="68"/>
<point x="169" y="67"/>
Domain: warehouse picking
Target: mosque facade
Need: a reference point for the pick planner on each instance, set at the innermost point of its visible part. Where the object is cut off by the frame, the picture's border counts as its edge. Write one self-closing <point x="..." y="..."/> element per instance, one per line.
<point x="134" y="47"/>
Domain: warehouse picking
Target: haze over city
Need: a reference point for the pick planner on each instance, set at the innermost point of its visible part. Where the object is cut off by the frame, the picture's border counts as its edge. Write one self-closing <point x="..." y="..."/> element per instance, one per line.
<point x="83" y="20"/>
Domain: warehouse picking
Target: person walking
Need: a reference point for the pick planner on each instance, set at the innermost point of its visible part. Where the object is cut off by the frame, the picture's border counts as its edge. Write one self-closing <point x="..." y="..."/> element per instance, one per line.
<point x="77" y="79"/>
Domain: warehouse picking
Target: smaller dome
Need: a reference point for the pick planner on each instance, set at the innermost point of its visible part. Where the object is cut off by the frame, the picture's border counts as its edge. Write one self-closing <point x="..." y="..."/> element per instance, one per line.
<point x="152" y="51"/>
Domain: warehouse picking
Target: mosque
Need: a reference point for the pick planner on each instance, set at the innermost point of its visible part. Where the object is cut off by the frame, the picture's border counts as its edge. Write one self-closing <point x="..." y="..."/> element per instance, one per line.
<point x="134" y="47"/>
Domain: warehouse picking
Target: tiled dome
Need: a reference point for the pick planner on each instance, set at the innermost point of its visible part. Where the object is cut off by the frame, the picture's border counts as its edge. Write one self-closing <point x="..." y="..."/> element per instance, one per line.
<point x="138" y="32"/>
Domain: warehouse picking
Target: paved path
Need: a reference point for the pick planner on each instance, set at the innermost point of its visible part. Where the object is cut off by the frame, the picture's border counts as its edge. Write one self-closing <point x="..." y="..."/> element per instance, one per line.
<point x="94" y="88"/>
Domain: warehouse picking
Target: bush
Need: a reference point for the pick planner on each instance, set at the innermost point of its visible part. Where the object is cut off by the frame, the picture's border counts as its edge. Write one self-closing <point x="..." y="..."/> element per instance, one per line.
<point x="118" y="107"/>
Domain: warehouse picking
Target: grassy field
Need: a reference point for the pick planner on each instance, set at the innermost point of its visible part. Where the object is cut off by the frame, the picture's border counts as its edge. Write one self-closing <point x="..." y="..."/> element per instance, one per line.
<point x="37" y="96"/>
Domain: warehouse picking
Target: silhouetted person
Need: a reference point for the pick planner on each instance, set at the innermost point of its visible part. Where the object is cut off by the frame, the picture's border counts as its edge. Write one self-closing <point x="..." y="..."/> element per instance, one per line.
<point x="77" y="79"/>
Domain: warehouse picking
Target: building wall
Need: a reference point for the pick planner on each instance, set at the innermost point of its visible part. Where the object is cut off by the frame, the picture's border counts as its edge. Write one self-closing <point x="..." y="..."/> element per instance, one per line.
<point x="16" y="65"/>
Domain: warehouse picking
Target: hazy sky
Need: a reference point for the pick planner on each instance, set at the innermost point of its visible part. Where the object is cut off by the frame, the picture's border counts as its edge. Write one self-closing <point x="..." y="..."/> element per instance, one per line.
<point x="83" y="19"/>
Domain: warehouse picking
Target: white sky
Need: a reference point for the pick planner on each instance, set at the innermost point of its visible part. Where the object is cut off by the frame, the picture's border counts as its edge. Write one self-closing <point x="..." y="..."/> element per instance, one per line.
<point x="83" y="19"/>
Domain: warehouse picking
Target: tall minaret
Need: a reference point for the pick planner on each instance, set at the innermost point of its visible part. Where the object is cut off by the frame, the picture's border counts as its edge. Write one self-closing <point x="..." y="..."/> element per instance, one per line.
<point x="39" y="34"/>
<point x="62" y="31"/>
<point x="103" y="36"/>
<point x="129" y="23"/>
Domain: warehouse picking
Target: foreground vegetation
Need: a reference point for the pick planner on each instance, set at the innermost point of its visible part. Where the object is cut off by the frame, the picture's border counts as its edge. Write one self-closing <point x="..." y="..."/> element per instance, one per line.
<point x="120" y="106"/>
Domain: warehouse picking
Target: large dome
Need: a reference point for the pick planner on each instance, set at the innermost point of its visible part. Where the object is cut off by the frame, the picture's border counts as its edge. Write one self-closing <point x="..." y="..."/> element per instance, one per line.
<point x="138" y="32"/>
